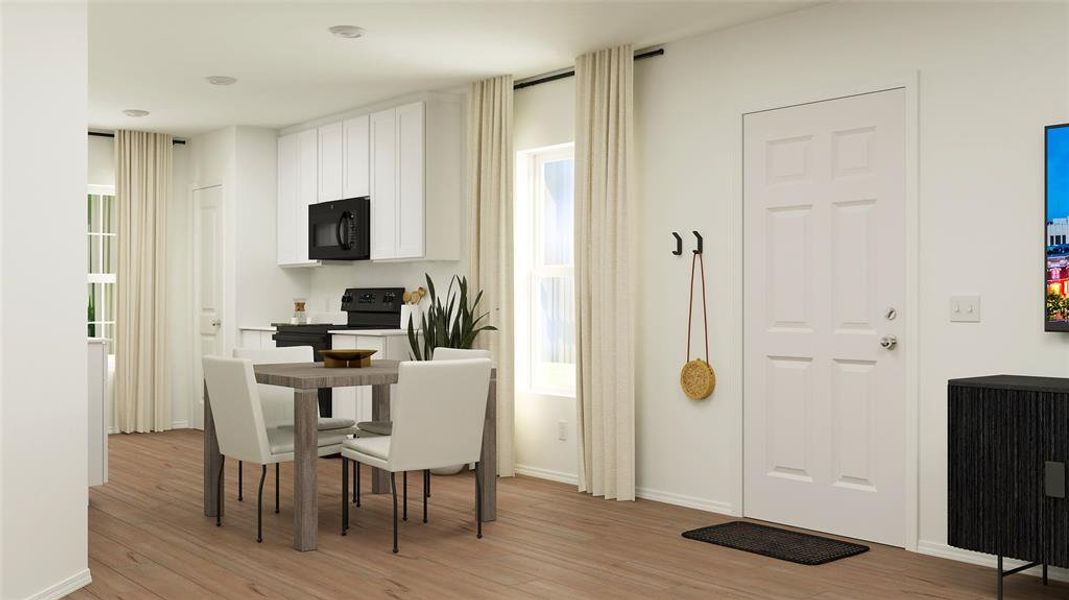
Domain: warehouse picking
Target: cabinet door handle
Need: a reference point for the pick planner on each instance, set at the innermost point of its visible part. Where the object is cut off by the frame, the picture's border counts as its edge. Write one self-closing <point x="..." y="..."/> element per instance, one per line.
<point x="1054" y="479"/>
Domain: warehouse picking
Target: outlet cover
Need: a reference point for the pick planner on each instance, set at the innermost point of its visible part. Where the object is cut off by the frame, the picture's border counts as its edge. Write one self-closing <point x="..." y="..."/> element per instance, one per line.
<point x="562" y="430"/>
<point x="965" y="309"/>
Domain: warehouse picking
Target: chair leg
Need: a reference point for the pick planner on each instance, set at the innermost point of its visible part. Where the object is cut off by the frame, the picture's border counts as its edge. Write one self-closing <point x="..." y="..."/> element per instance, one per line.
<point x="356" y="483"/>
<point x="344" y="494"/>
<point x="428" y="483"/>
<point x="219" y="494"/>
<point x="478" y="503"/>
<point x="276" y="487"/>
<point x="241" y="485"/>
<point x="260" y="506"/>
<point x="393" y="491"/>
<point x="404" y="477"/>
<point x="426" y="486"/>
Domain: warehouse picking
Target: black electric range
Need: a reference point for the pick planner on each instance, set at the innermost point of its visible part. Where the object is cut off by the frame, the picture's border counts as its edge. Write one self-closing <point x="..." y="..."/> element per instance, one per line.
<point x="366" y="308"/>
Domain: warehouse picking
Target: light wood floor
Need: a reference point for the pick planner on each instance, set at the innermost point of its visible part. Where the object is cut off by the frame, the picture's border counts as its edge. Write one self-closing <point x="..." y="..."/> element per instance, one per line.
<point x="148" y="538"/>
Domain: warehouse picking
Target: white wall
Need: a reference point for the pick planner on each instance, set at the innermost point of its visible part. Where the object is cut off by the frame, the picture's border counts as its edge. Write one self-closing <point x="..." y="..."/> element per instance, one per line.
<point x="179" y="268"/>
<point x="990" y="76"/>
<point x="544" y="115"/>
<point x="43" y="417"/>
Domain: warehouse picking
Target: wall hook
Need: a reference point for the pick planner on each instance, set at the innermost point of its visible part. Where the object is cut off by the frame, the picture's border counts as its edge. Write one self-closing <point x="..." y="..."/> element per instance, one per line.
<point x="701" y="243"/>
<point x="679" y="244"/>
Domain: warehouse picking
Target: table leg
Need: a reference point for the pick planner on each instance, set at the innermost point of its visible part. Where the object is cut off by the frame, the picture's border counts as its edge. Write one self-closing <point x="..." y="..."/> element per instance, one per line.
<point x="488" y="459"/>
<point x="380" y="411"/>
<point x="305" y="454"/>
<point x="213" y="460"/>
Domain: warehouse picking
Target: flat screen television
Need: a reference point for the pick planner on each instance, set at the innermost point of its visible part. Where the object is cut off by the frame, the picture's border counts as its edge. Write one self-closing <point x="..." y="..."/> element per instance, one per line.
<point x="1056" y="227"/>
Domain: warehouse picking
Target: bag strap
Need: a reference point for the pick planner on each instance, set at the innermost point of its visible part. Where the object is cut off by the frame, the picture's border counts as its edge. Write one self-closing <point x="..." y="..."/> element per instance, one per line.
<point x="690" y="312"/>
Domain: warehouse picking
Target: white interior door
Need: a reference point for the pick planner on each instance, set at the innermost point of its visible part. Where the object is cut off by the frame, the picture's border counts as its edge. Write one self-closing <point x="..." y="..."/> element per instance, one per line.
<point x="824" y="210"/>
<point x="208" y="277"/>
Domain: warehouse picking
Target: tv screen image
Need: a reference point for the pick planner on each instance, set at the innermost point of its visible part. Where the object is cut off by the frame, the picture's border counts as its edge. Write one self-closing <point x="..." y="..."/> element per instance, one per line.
<point x="1057" y="227"/>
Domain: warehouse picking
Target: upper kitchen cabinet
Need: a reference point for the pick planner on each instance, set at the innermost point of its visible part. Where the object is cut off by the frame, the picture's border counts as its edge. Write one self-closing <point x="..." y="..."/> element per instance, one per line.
<point x="357" y="171"/>
<point x="331" y="162"/>
<point x="298" y="175"/>
<point x="415" y="181"/>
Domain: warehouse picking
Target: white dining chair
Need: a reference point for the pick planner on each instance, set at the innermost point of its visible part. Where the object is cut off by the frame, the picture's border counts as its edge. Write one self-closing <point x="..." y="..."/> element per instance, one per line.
<point x="278" y="401"/>
<point x="243" y="434"/>
<point x="427" y="432"/>
<point x="383" y="427"/>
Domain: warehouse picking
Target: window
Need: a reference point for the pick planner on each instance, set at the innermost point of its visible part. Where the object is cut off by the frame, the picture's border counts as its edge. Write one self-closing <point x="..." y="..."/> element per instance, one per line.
<point x="103" y="263"/>
<point x="545" y="270"/>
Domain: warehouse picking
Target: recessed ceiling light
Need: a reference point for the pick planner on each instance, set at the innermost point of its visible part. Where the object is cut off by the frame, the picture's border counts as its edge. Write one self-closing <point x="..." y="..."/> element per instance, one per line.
<point x="221" y="80"/>
<point x="135" y="112"/>
<point x="347" y="31"/>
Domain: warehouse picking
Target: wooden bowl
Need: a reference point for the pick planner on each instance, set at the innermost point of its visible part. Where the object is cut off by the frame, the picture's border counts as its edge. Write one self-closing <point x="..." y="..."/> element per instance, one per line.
<point x="347" y="359"/>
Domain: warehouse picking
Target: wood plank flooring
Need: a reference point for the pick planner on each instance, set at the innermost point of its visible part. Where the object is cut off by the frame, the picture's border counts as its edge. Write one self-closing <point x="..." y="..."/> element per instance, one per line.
<point x="149" y="539"/>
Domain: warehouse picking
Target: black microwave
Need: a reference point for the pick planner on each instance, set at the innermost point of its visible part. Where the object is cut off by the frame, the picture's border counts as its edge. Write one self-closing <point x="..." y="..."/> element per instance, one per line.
<point x="340" y="230"/>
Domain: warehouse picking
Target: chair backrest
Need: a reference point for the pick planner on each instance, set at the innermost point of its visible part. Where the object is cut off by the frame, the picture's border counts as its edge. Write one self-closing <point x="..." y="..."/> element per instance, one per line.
<point x="459" y="353"/>
<point x="438" y="413"/>
<point x="277" y="401"/>
<point x="236" y="408"/>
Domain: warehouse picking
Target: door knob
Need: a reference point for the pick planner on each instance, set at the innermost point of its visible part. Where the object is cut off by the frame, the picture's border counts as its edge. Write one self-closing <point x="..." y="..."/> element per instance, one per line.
<point x="888" y="342"/>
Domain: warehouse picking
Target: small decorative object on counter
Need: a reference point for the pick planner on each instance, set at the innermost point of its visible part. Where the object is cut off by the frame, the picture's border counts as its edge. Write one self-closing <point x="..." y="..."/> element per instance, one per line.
<point x="450" y="325"/>
<point x="410" y="309"/>
<point x="300" y="316"/>
<point x="697" y="377"/>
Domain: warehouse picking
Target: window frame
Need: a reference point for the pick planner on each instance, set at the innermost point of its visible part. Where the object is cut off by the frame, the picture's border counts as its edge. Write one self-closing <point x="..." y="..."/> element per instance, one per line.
<point x="531" y="267"/>
<point x="96" y="244"/>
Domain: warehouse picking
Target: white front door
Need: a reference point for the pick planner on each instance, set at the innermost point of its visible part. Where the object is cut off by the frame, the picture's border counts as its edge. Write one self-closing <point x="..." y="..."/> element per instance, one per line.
<point x="824" y="211"/>
<point x="208" y="275"/>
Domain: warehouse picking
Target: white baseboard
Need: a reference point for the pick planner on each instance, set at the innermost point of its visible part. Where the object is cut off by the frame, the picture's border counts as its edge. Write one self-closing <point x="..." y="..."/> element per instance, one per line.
<point x="183" y="424"/>
<point x="723" y="508"/>
<point x="558" y="476"/>
<point x="75" y="582"/>
<point x="715" y="506"/>
<point x="942" y="550"/>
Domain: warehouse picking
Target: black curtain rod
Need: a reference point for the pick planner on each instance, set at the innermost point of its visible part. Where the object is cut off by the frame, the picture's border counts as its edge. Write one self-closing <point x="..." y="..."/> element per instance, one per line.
<point x="111" y="135"/>
<point x="525" y="83"/>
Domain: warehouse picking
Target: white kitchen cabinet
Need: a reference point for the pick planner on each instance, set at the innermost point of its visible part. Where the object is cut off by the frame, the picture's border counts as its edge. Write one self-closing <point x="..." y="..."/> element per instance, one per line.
<point x="416" y="181"/>
<point x="384" y="184"/>
<point x="331" y="162"/>
<point x="255" y="338"/>
<point x="355" y="403"/>
<point x="298" y="184"/>
<point x="357" y="148"/>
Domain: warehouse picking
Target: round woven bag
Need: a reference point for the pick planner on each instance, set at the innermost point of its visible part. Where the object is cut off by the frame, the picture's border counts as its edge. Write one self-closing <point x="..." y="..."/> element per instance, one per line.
<point x="697" y="377"/>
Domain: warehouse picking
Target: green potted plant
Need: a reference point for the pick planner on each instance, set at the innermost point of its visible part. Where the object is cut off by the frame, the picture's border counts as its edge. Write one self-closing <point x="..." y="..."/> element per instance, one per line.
<point x="452" y="324"/>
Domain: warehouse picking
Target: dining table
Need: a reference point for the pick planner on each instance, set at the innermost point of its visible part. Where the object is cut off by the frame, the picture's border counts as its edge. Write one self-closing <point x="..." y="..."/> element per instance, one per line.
<point x="306" y="379"/>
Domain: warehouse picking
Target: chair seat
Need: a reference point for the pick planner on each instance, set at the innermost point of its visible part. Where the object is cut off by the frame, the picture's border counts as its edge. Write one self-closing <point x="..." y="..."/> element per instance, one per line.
<point x="378" y="447"/>
<point x="376" y="427"/>
<point x="280" y="439"/>
<point x="327" y="424"/>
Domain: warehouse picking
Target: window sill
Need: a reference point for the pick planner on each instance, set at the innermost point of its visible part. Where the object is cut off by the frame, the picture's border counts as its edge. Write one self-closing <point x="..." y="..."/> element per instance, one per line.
<point x="551" y="393"/>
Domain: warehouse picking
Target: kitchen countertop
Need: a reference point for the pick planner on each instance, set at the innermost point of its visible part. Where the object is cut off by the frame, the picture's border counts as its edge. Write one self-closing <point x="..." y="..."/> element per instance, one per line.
<point x="257" y="328"/>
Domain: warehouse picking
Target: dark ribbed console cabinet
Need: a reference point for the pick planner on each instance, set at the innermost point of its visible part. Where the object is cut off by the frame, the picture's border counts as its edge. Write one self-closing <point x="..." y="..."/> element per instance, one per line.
<point x="1007" y="449"/>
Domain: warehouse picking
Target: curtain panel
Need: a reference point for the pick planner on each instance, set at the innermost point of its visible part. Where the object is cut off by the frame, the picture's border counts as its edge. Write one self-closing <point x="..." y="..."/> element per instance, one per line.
<point x="604" y="273"/>
<point x="143" y="186"/>
<point x="490" y="159"/>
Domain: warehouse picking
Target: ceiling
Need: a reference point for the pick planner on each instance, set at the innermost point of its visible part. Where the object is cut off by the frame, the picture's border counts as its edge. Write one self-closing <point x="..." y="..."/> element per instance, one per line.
<point x="155" y="55"/>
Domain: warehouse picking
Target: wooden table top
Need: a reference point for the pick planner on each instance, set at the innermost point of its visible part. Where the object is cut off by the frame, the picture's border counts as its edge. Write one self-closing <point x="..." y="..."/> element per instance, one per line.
<point x="306" y="376"/>
<point x="310" y="376"/>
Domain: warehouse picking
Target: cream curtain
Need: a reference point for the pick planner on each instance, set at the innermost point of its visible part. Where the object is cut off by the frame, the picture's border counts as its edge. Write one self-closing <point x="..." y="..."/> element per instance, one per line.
<point x="143" y="186"/>
<point x="490" y="168"/>
<point x="604" y="273"/>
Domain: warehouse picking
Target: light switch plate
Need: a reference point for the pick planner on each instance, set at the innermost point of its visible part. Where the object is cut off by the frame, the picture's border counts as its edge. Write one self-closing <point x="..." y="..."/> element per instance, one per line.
<point x="965" y="309"/>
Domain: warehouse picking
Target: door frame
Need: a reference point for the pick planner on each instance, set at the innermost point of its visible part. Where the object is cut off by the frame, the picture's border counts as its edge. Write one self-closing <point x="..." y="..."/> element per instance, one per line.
<point x="909" y="82"/>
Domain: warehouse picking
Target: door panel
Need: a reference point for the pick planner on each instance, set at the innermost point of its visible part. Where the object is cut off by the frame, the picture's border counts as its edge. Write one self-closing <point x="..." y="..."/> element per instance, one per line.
<point x="824" y="211"/>
<point x="331" y="162"/>
<point x="357" y="157"/>
<point x="208" y="279"/>
<point x="410" y="181"/>
<point x="383" y="184"/>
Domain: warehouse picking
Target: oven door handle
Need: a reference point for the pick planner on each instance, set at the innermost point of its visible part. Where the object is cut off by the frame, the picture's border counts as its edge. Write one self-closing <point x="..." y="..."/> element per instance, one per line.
<point x="345" y="224"/>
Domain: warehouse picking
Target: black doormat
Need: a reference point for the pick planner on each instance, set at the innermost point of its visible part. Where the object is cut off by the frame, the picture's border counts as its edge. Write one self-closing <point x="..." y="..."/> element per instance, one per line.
<point x="792" y="546"/>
